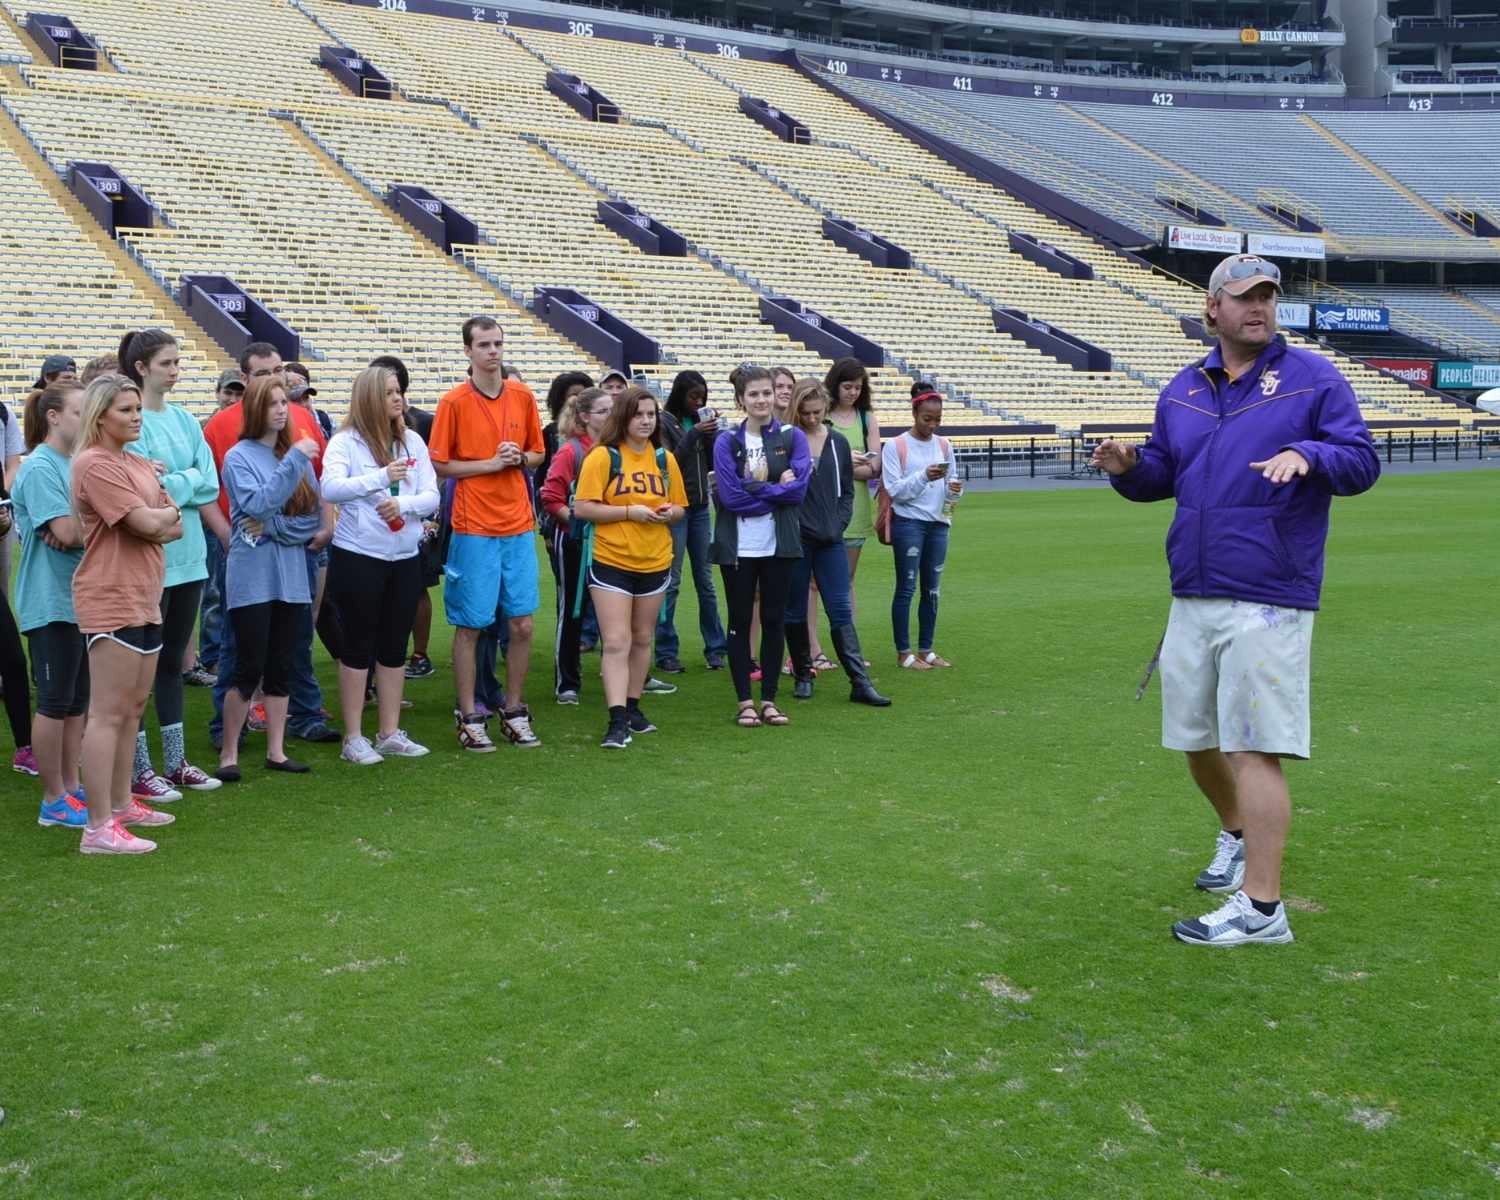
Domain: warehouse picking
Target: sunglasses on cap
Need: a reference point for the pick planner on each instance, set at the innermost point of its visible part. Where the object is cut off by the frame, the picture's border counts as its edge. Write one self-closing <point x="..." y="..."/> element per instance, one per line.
<point x="1248" y="265"/>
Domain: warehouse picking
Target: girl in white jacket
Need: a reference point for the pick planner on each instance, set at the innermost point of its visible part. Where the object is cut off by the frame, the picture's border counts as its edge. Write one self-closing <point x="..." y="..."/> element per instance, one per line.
<point x="378" y="473"/>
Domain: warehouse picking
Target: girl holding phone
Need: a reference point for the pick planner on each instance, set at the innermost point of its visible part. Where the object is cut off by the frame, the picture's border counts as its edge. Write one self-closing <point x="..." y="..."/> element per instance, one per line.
<point x="918" y="469"/>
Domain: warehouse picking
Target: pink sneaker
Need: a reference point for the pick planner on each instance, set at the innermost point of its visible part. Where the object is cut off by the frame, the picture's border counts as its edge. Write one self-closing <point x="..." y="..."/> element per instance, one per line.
<point x="148" y="785"/>
<point x="144" y="815"/>
<point x="25" y="762"/>
<point x="114" y="838"/>
<point x="189" y="776"/>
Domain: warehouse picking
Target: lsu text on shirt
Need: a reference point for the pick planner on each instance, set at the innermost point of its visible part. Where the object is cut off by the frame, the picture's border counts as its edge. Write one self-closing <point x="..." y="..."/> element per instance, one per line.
<point x="632" y="545"/>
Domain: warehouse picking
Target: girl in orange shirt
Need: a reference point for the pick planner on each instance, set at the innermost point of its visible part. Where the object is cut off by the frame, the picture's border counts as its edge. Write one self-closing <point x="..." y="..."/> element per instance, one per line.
<point x="631" y="491"/>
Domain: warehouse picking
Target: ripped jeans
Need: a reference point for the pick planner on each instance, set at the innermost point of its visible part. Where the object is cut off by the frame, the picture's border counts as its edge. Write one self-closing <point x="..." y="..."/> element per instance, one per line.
<point x="921" y="547"/>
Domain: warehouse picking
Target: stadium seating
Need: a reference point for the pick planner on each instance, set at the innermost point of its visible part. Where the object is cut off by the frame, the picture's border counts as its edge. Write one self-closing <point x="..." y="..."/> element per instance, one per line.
<point x="60" y="291"/>
<point x="274" y="178"/>
<point x="1089" y="151"/>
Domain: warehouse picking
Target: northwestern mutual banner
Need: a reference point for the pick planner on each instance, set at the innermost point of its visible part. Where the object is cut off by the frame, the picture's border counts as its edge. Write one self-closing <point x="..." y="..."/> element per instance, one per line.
<point x="1284" y="245"/>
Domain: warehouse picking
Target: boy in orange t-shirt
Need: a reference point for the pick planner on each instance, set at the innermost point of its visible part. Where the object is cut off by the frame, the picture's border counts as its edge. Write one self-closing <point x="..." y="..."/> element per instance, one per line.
<point x="487" y="436"/>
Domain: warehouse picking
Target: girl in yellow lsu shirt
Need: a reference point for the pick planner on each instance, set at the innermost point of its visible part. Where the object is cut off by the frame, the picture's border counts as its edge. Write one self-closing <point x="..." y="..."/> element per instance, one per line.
<point x="632" y="492"/>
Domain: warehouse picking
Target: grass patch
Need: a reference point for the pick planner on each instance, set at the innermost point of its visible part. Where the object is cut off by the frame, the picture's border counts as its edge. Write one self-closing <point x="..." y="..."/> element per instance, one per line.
<point x="921" y="952"/>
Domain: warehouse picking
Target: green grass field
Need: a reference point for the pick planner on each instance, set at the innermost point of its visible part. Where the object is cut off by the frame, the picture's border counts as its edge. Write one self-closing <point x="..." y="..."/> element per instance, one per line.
<point x="912" y="953"/>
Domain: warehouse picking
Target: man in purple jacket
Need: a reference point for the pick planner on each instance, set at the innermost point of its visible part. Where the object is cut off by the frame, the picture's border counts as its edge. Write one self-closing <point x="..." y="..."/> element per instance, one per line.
<point x="1253" y="442"/>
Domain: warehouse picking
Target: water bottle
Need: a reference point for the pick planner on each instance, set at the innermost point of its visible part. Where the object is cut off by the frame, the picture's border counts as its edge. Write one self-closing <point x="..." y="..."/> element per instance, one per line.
<point x="950" y="497"/>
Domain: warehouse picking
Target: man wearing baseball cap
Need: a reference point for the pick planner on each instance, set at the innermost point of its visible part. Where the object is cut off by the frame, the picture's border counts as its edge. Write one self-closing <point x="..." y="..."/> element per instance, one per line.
<point x="55" y="368"/>
<point x="1253" y="442"/>
<point x="230" y="389"/>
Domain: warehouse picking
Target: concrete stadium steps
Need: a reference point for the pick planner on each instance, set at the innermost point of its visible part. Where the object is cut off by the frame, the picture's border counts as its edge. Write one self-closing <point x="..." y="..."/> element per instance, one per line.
<point x="69" y="287"/>
<point x="252" y="199"/>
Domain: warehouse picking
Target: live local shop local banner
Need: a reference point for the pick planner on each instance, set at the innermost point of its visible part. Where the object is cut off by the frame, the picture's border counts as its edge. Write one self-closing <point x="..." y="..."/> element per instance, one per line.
<point x="1203" y="237"/>
<point x="1467" y="376"/>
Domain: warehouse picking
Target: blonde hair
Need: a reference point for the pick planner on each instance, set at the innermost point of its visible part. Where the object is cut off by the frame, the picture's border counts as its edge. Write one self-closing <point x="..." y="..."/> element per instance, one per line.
<point x="367" y="414"/>
<point x="805" y="390"/>
<point x="97" y="399"/>
<point x="105" y="364"/>
<point x="570" y="422"/>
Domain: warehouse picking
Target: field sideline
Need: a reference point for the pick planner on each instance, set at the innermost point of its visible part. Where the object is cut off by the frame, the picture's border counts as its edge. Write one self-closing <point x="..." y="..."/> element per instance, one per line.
<point x="914" y="953"/>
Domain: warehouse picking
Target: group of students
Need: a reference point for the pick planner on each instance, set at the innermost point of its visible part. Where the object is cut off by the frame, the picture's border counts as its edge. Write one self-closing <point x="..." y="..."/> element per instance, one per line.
<point x="128" y="510"/>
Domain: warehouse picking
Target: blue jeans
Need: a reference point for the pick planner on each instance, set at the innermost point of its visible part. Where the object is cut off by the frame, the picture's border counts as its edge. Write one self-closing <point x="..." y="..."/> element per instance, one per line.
<point x="493" y="644"/>
<point x="304" y="699"/>
<point x="921" y="548"/>
<point x="211" y="611"/>
<point x="830" y="566"/>
<point x="691" y="537"/>
<point x="218" y="562"/>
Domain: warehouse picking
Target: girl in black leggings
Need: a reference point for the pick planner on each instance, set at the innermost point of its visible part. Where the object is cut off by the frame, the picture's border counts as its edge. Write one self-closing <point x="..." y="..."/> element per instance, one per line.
<point x="761" y="469"/>
<point x="377" y="471"/>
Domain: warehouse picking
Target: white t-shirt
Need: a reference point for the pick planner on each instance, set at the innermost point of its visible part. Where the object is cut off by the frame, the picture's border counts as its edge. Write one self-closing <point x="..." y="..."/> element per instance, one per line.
<point x="757" y="534"/>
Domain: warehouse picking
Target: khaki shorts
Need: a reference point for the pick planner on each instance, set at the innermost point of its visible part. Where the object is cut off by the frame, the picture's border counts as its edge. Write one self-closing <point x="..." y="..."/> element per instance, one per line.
<point x="1235" y="675"/>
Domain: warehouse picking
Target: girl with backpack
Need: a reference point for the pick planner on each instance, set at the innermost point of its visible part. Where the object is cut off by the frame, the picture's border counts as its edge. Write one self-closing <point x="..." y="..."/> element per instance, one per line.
<point x="761" y="469"/>
<point x="580" y="421"/>
<point x="824" y="514"/>
<point x="918" y="473"/>
<point x="630" y="492"/>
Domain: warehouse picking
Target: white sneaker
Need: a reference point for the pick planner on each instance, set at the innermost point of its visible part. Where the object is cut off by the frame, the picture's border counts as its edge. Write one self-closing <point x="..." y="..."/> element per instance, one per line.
<point x="358" y="751"/>
<point x="1227" y="870"/>
<point x="1238" y="923"/>
<point x="398" y="745"/>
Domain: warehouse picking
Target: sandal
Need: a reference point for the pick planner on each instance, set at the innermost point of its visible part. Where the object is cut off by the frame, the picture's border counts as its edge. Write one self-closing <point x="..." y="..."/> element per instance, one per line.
<point x="824" y="663"/>
<point x="771" y="715"/>
<point x="933" y="659"/>
<point x="747" y="718"/>
<point x="911" y="662"/>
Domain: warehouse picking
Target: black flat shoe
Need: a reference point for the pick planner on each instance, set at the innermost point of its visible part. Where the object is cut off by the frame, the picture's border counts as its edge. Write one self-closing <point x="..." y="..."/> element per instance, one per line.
<point x="227" y="774"/>
<point x="289" y="765"/>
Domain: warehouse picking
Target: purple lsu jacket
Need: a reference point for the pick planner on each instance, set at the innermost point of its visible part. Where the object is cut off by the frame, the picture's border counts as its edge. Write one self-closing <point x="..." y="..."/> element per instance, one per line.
<point x="1236" y="535"/>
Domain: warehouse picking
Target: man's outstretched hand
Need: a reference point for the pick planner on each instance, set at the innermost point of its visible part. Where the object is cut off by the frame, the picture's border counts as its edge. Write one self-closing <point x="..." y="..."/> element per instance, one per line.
<point x="1285" y="467"/>
<point x="1112" y="457"/>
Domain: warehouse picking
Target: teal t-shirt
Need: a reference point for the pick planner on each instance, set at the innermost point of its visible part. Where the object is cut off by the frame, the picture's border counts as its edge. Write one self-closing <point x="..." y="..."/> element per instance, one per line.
<point x="175" y="438"/>
<point x="44" y="580"/>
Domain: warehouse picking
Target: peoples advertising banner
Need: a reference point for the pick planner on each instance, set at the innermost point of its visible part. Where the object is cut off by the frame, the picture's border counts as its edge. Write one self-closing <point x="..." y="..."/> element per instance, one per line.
<point x="1284" y="245"/>
<point x="1467" y="376"/>
<point x="1203" y="237"/>
<point x="1413" y="370"/>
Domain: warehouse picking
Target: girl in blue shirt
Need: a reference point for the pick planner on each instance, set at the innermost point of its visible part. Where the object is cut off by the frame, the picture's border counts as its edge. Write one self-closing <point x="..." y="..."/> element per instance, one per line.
<point x="173" y="442"/>
<point x="51" y="547"/>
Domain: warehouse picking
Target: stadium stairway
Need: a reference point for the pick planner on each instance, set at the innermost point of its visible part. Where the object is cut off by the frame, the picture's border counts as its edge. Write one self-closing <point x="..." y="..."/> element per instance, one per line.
<point x="1227" y="205"/>
<point x="1381" y="174"/>
<point x="153" y="304"/>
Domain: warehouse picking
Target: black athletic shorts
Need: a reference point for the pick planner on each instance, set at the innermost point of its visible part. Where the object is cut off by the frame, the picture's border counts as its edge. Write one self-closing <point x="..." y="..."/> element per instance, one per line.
<point x="143" y="639"/>
<point x="628" y="583"/>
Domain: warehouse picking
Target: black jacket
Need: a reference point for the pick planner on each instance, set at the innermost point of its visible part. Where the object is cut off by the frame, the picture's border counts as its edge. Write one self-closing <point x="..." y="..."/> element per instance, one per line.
<point x="695" y="455"/>
<point x="829" y="504"/>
